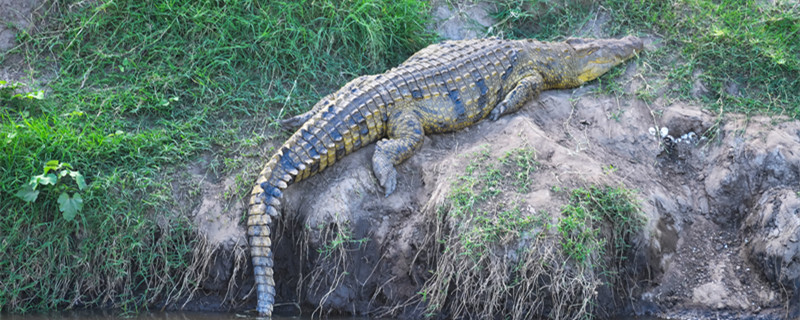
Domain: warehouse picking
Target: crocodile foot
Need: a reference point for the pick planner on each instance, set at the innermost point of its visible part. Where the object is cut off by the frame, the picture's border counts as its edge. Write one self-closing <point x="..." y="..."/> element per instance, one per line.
<point x="385" y="172"/>
<point x="388" y="180"/>
<point x="498" y="111"/>
<point x="294" y="122"/>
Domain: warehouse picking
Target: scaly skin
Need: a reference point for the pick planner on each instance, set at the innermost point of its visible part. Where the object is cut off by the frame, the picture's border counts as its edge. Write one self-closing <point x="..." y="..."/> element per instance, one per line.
<point x="442" y="88"/>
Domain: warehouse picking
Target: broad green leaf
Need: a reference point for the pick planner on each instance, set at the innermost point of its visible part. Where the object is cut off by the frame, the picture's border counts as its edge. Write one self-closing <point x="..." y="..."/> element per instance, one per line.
<point x="50" y="165"/>
<point x="78" y="179"/>
<point x="10" y="137"/>
<point x="38" y="95"/>
<point x="70" y="206"/>
<point x="27" y="193"/>
<point x="63" y="173"/>
<point x="45" y="179"/>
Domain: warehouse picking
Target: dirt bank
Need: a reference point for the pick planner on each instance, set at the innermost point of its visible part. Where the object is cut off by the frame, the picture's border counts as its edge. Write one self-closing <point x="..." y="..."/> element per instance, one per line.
<point x="720" y="197"/>
<point x="721" y="205"/>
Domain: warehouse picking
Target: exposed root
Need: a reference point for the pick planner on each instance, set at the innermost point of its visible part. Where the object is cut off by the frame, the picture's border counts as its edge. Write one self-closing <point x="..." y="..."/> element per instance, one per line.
<point x="493" y="255"/>
<point x="331" y="262"/>
<point x="522" y="277"/>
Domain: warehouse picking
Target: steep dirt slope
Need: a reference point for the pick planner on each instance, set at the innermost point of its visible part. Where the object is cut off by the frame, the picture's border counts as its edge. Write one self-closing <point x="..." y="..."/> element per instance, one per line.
<point x="722" y="205"/>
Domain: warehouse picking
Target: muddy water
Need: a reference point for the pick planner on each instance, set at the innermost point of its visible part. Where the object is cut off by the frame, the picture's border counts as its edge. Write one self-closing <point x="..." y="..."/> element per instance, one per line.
<point x="96" y="315"/>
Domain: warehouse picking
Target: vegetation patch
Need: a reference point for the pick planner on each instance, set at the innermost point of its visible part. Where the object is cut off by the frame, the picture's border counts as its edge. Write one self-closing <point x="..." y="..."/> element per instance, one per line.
<point x="495" y="255"/>
<point x="594" y="216"/>
<point x="137" y="91"/>
<point x="331" y="262"/>
<point x="746" y="53"/>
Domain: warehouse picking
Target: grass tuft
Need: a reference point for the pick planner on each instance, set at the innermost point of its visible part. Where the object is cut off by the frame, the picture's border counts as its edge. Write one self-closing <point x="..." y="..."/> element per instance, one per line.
<point x="494" y="255"/>
<point x="592" y="210"/>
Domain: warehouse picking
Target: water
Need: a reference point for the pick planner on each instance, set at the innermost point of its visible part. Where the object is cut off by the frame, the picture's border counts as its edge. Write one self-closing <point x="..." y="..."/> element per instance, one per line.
<point x="178" y="315"/>
<point x="100" y="315"/>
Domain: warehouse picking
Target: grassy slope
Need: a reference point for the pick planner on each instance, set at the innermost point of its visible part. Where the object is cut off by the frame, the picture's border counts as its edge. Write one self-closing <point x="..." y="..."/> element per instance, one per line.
<point x="157" y="83"/>
<point x="744" y="44"/>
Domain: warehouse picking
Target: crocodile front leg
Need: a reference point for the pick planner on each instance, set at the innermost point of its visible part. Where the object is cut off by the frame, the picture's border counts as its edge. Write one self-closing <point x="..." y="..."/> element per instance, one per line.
<point x="405" y="137"/>
<point x="525" y="90"/>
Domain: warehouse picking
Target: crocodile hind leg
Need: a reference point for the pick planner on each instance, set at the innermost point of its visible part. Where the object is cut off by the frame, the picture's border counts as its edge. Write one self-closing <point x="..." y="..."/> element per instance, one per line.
<point x="524" y="91"/>
<point x="298" y="120"/>
<point x="350" y="88"/>
<point x="405" y="137"/>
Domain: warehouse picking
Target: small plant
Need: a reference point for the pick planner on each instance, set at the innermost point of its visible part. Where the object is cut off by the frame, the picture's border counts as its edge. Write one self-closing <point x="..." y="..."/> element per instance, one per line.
<point x="54" y="176"/>
<point x="525" y="159"/>
<point x="609" y="169"/>
<point x="587" y="211"/>
<point x="488" y="211"/>
<point x="8" y="89"/>
<point x="579" y="239"/>
<point x="343" y="240"/>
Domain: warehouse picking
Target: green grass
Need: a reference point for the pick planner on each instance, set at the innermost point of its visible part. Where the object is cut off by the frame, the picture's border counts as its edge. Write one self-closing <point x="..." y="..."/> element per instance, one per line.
<point x="591" y="209"/>
<point x="751" y="44"/>
<point x="493" y="254"/>
<point x="138" y="90"/>
<point x="541" y="19"/>
<point x="745" y="44"/>
<point x="486" y="204"/>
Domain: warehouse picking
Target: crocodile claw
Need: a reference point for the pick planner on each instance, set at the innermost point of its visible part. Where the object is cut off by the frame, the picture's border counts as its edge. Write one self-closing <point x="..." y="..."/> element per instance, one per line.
<point x="294" y="122"/>
<point x="497" y="111"/>
<point x="388" y="180"/>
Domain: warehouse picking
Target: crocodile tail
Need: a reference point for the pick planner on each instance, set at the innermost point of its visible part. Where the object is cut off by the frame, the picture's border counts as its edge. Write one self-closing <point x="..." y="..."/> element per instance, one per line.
<point x="264" y="206"/>
<point x="288" y="165"/>
<point x="321" y="141"/>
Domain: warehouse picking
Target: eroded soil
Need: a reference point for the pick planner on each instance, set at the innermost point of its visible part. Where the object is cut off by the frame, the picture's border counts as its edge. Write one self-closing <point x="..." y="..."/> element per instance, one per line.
<point x="722" y="211"/>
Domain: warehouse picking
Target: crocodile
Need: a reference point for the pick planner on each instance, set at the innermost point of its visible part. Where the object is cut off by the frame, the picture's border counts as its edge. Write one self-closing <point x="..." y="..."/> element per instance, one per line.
<point x="442" y="88"/>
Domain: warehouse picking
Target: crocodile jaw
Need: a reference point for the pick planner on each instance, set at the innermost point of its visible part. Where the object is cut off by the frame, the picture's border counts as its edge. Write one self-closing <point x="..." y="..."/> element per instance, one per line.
<point x="593" y="58"/>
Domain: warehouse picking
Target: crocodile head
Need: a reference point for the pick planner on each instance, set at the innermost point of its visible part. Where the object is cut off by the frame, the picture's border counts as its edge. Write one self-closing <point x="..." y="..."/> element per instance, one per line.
<point x="593" y="57"/>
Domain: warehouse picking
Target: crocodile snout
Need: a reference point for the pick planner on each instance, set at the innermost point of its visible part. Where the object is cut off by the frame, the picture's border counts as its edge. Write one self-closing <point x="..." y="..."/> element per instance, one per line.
<point x="595" y="57"/>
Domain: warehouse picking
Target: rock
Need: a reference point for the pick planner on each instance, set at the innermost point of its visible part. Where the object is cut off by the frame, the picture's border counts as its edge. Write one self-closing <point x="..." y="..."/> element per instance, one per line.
<point x="774" y="227"/>
<point x="459" y="20"/>
<point x="681" y="121"/>
<point x="698" y="88"/>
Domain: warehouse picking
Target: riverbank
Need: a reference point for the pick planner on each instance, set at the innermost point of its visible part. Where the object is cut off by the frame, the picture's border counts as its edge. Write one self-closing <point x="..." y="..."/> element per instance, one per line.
<point x="167" y="111"/>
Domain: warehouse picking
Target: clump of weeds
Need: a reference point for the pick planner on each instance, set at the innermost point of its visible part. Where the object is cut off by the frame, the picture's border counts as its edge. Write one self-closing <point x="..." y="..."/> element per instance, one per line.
<point x="495" y="255"/>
